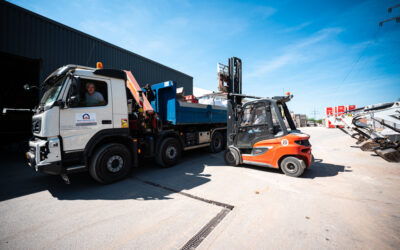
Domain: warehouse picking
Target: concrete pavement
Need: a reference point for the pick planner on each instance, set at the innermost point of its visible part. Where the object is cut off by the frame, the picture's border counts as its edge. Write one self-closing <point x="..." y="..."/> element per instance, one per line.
<point x="347" y="199"/>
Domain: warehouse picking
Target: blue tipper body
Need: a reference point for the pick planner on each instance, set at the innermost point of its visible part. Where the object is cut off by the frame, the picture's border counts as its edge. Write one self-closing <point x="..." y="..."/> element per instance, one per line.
<point x="172" y="111"/>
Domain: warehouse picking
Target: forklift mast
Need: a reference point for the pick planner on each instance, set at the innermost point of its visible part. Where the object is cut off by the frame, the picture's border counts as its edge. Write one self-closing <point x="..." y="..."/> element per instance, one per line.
<point x="230" y="79"/>
<point x="230" y="82"/>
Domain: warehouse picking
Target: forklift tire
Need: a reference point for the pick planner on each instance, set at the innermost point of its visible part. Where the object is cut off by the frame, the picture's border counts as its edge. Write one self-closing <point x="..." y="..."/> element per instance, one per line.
<point x="170" y="152"/>
<point x="231" y="157"/>
<point x="110" y="163"/>
<point x="217" y="142"/>
<point x="292" y="166"/>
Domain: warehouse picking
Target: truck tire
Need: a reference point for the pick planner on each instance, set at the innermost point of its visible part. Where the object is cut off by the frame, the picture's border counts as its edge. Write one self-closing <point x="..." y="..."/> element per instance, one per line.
<point x="217" y="142"/>
<point x="231" y="157"/>
<point x="110" y="163"/>
<point x="170" y="152"/>
<point x="292" y="166"/>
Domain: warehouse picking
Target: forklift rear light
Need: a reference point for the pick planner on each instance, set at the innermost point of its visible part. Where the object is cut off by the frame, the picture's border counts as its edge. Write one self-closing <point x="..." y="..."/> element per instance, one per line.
<point x="99" y="65"/>
<point x="304" y="143"/>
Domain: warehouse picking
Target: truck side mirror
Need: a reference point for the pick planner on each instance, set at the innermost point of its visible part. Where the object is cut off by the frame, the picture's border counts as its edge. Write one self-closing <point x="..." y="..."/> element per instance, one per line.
<point x="28" y="87"/>
<point x="73" y="101"/>
<point x="75" y="85"/>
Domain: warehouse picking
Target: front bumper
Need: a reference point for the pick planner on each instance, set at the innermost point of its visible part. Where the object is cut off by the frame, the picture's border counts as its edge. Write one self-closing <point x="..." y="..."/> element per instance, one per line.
<point x="50" y="168"/>
<point x="44" y="156"/>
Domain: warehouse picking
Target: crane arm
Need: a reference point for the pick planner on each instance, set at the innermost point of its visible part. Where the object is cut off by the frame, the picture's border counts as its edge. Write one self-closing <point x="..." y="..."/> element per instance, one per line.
<point x="138" y="94"/>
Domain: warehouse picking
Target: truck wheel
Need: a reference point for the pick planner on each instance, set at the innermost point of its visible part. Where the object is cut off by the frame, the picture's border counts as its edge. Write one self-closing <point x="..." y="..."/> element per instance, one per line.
<point x="169" y="153"/>
<point x="110" y="163"/>
<point x="293" y="166"/>
<point x="231" y="157"/>
<point x="217" y="142"/>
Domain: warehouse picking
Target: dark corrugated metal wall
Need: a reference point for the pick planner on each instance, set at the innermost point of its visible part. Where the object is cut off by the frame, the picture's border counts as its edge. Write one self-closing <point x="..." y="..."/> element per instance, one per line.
<point x="27" y="34"/>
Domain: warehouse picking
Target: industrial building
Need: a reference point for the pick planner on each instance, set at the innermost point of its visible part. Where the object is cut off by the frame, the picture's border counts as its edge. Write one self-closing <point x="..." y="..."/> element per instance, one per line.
<point x="300" y="120"/>
<point x="32" y="46"/>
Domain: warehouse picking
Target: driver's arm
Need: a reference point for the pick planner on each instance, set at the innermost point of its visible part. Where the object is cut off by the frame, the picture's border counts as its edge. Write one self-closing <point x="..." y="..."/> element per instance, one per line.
<point x="100" y="99"/>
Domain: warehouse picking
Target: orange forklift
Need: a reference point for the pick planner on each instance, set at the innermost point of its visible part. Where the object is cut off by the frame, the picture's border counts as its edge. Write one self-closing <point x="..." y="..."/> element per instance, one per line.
<point x="261" y="132"/>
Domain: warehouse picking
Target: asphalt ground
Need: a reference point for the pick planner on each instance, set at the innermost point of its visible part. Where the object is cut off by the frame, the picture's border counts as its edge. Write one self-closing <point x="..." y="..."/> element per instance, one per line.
<point x="348" y="199"/>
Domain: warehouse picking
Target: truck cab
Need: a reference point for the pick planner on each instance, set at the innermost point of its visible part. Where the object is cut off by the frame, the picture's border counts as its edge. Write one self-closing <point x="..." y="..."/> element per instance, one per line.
<point x="67" y="128"/>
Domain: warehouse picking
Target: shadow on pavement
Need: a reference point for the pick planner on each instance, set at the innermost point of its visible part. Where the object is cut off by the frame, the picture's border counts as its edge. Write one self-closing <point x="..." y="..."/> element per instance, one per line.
<point x="320" y="169"/>
<point x="316" y="170"/>
<point x="259" y="168"/>
<point x="17" y="180"/>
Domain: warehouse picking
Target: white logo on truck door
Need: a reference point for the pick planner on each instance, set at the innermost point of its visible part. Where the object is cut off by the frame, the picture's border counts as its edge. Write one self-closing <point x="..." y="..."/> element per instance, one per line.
<point x="85" y="119"/>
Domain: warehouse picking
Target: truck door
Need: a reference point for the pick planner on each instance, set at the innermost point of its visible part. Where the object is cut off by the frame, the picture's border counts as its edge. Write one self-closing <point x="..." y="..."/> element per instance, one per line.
<point x="90" y="113"/>
<point x="253" y="125"/>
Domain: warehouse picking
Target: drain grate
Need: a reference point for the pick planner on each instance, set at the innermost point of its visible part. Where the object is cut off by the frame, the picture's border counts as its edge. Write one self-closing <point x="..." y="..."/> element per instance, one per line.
<point x="196" y="240"/>
<point x="205" y="231"/>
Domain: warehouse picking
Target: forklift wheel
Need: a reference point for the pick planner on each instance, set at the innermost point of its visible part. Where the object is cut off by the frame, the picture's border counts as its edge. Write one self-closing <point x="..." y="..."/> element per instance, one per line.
<point x="293" y="166"/>
<point x="231" y="157"/>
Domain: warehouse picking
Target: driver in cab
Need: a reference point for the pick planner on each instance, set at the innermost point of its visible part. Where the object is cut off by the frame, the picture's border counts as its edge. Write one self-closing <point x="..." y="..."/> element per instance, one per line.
<point x="260" y="117"/>
<point x="92" y="97"/>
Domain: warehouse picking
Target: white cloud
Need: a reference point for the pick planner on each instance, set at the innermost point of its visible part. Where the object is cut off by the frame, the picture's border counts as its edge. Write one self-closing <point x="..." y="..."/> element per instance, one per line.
<point x="296" y="28"/>
<point x="294" y="53"/>
<point x="317" y="37"/>
<point x="273" y="65"/>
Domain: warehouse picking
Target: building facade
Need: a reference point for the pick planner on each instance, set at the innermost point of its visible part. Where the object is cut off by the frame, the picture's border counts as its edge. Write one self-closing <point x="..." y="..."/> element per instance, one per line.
<point x="33" y="46"/>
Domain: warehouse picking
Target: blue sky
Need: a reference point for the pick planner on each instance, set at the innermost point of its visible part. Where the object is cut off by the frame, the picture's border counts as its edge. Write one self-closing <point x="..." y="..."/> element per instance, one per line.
<point x="326" y="53"/>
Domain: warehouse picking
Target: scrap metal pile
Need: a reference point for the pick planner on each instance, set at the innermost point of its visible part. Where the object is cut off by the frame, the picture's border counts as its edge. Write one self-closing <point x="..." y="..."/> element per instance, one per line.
<point x="376" y="128"/>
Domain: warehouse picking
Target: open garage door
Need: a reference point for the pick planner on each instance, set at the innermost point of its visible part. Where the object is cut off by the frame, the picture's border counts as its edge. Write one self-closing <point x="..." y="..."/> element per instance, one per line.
<point x="16" y="103"/>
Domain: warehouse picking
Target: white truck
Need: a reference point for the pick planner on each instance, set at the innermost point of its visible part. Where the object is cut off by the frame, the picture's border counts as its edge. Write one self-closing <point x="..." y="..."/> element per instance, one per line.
<point x="99" y="120"/>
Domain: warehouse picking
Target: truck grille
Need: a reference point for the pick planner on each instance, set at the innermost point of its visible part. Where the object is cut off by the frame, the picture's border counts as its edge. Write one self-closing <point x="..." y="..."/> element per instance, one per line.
<point x="36" y="125"/>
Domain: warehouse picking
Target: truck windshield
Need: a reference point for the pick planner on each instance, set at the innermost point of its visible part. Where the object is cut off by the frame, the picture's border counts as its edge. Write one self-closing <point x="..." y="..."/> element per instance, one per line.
<point x="52" y="89"/>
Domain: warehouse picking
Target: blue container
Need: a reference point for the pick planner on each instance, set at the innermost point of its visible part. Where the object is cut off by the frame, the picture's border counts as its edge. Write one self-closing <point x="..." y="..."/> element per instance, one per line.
<point x="175" y="112"/>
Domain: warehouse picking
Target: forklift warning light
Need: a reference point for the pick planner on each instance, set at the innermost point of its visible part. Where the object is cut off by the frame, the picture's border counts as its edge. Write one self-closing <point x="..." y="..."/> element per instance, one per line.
<point x="288" y="93"/>
<point x="99" y="65"/>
